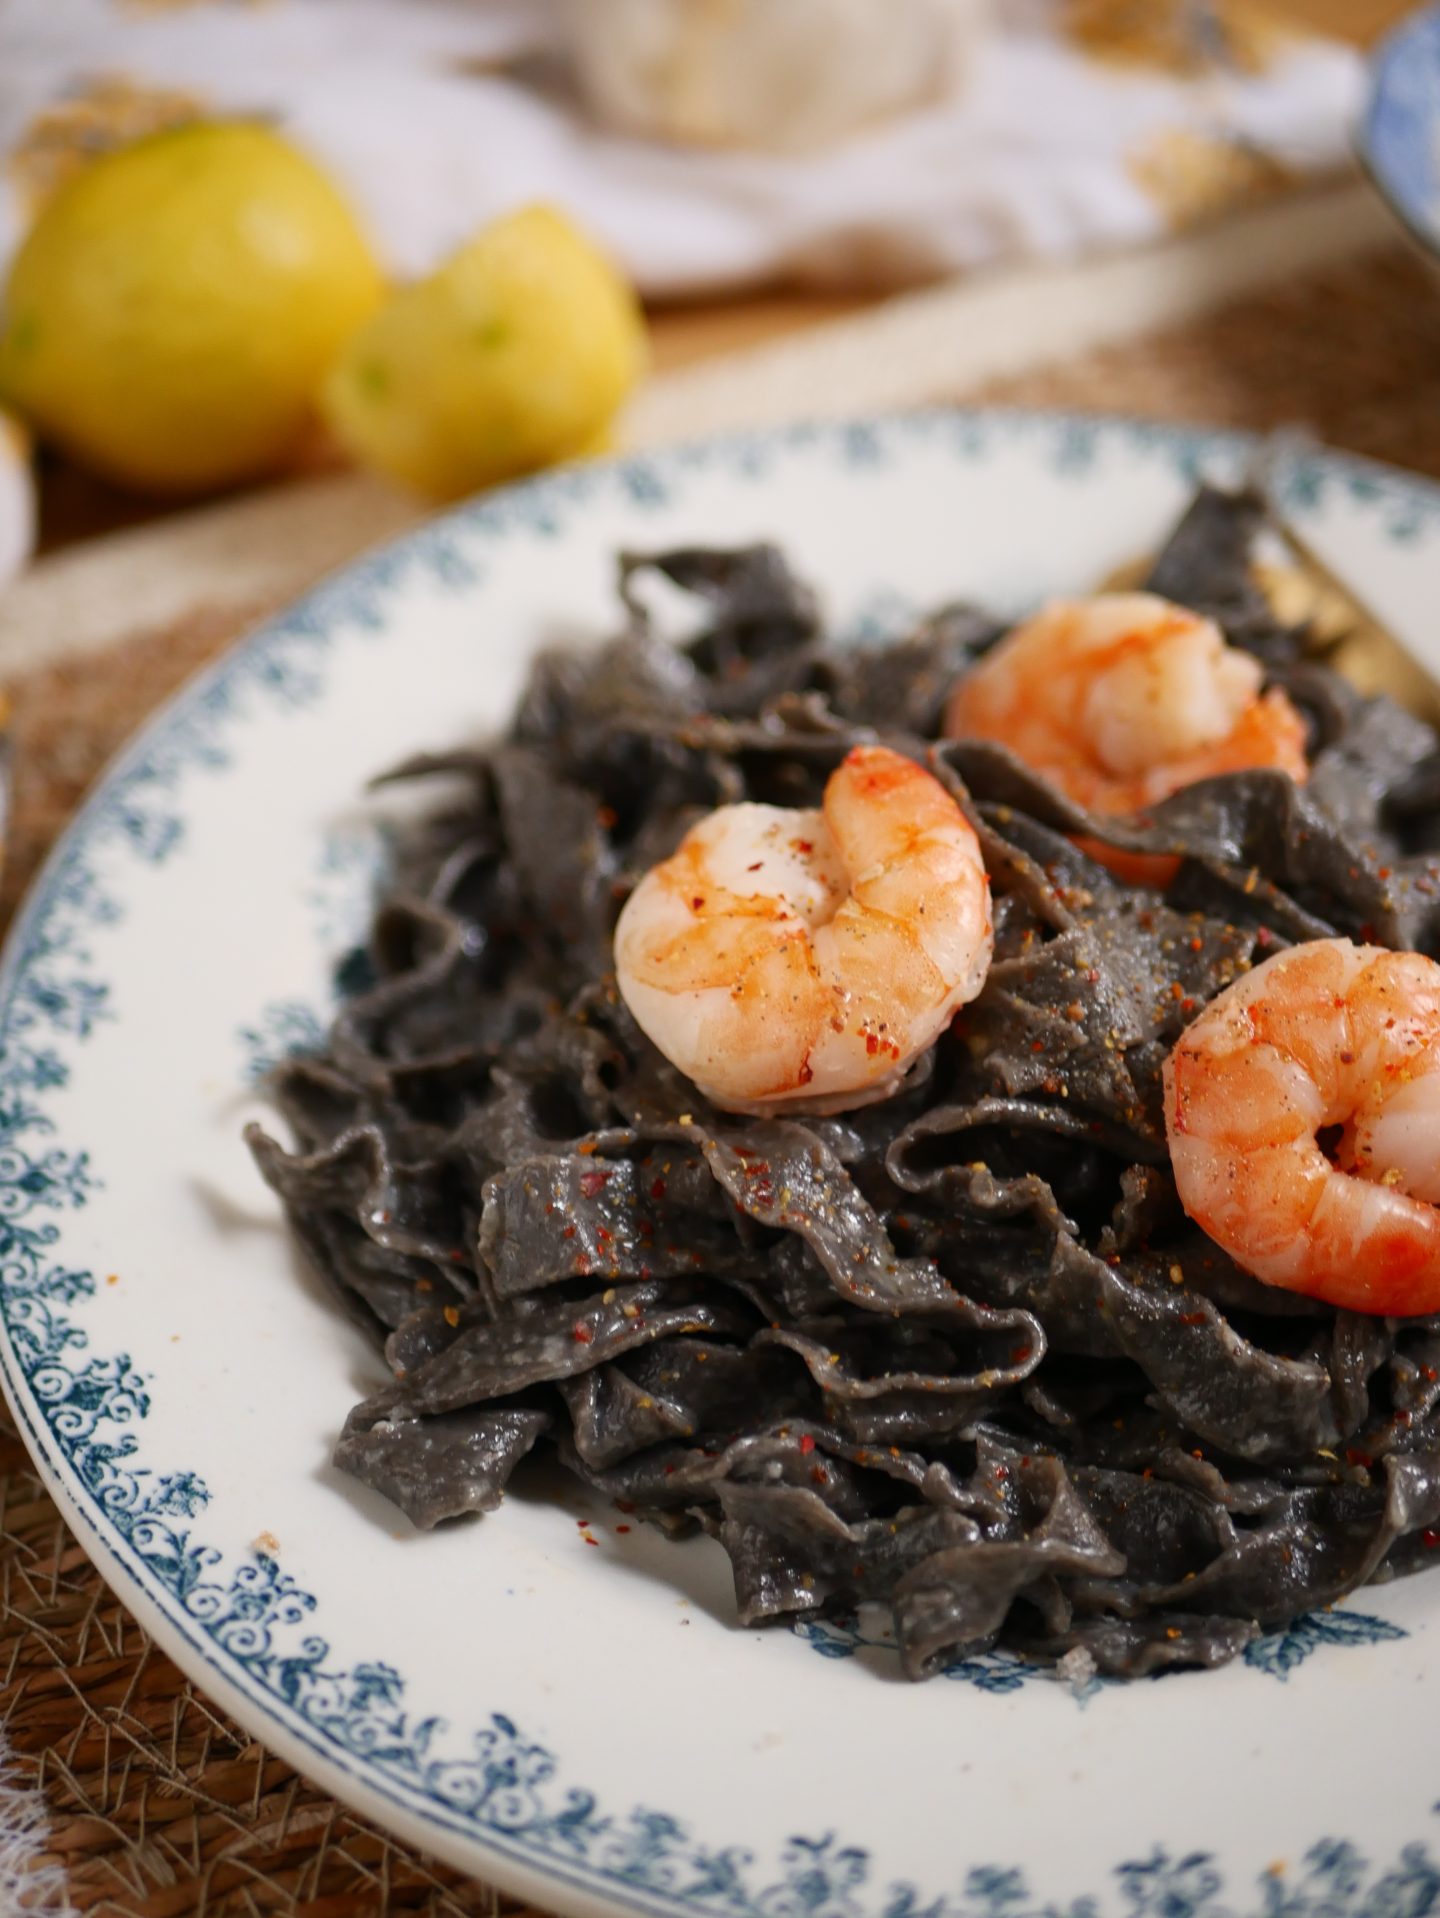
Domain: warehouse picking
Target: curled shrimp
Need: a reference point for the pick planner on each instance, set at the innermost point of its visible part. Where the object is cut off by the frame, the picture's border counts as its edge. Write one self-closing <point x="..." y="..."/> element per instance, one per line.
<point x="1330" y="1039"/>
<point x="784" y="957"/>
<point x="1122" y="700"/>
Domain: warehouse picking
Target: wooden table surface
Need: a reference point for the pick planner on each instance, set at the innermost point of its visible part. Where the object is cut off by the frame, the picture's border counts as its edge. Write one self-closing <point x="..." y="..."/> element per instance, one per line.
<point x="76" y="506"/>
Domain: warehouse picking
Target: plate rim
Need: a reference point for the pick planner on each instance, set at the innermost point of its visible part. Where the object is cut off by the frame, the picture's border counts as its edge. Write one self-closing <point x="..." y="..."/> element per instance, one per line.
<point x="325" y="1760"/>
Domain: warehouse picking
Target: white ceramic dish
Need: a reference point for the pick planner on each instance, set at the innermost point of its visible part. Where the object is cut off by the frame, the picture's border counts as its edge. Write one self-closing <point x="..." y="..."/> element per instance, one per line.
<point x="583" y="1723"/>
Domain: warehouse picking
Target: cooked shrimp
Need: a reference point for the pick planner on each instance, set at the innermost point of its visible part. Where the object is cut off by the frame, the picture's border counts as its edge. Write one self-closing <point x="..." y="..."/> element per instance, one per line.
<point x="785" y="958"/>
<point x="1122" y="700"/>
<point x="1326" y="1038"/>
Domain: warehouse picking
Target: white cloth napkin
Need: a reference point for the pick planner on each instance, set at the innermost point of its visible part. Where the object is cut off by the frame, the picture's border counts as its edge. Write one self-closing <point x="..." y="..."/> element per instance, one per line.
<point x="1045" y="151"/>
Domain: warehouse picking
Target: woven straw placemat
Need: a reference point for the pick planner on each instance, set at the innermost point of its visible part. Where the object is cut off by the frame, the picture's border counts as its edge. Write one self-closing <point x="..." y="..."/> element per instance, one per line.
<point x="158" y="1805"/>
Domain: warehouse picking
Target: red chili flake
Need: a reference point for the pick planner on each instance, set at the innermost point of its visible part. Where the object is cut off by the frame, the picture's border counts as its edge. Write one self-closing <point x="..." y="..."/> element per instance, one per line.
<point x="807" y="1444"/>
<point x="1187" y="1005"/>
<point x="756" y="867"/>
<point x="457" y="1257"/>
<point x="1367" y="934"/>
<point x="582" y="1264"/>
<point x="1430" y="1539"/>
<point x="804" y="845"/>
<point x="622" y="1528"/>
<point x="586" y="1147"/>
<point x="593" y="1183"/>
<point x="568" y="1233"/>
<point x="1429" y="1372"/>
<point x="1264" y="938"/>
<point x="583" y="1523"/>
<point x="697" y="904"/>
<point x="581" y="1334"/>
<point x="1192" y="1318"/>
<point x="591" y="1541"/>
<point x="424" y="1285"/>
<point x="1354" y="1456"/>
<point x="606" y="817"/>
<point x="1037" y="1045"/>
<point x="872" y="1044"/>
<point x="657" y="1190"/>
<point x="1197" y="945"/>
<point x="603" y="1236"/>
<point x="1002" y="1471"/>
<point x="1019" y="1354"/>
<point x="1384" y="873"/>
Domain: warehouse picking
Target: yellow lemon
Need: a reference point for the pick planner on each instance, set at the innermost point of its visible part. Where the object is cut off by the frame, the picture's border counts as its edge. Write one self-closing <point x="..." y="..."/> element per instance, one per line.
<point x="515" y="353"/>
<point x="173" y="310"/>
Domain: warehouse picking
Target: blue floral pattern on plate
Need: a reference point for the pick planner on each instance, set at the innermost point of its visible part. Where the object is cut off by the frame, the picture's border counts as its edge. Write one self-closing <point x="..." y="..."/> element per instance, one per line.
<point x="253" y="1622"/>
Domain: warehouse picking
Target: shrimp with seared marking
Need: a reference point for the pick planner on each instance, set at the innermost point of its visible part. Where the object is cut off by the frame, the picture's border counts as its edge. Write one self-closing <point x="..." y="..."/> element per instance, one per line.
<point x="1331" y="1039"/>
<point x="785" y="958"/>
<point x="1122" y="700"/>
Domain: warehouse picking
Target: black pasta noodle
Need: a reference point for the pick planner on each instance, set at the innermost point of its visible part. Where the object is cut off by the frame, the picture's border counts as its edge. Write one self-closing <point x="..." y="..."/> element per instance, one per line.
<point x="959" y="1353"/>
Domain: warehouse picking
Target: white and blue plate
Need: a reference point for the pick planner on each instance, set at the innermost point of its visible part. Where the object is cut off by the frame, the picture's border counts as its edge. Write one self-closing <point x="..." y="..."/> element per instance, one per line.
<point x="569" y="1709"/>
<point x="1399" y="136"/>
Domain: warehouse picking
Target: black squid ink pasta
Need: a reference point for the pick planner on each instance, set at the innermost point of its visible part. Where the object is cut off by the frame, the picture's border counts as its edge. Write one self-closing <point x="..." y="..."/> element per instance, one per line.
<point x="958" y="1353"/>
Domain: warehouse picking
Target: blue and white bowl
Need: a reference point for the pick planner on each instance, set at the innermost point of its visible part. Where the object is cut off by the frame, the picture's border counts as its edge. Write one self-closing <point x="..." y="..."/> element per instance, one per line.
<point x="1400" y="136"/>
<point x="570" y="1710"/>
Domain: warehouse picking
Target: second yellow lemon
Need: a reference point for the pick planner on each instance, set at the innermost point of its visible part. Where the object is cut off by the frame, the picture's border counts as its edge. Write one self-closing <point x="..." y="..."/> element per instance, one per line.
<point x="516" y="353"/>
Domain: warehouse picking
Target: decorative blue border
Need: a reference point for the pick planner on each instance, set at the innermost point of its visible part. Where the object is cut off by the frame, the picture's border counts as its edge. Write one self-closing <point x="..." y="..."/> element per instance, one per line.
<point x="251" y="1623"/>
<point x="1399" y="138"/>
<point x="1277" y="1653"/>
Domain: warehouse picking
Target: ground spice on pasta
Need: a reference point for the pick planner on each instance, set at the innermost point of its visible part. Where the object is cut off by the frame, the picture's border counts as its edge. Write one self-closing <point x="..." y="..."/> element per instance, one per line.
<point x="959" y="1353"/>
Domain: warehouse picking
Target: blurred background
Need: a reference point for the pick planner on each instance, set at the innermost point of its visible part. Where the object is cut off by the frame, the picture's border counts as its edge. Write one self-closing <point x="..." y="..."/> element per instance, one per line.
<point x="281" y="275"/>
<point x="447" y="240"/>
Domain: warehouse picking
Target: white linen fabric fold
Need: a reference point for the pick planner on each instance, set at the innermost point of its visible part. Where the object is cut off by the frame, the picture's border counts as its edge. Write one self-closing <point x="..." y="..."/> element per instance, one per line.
<point x="27" y="1885"/>
<point x="436" y="115"/>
